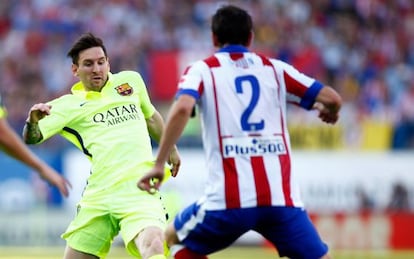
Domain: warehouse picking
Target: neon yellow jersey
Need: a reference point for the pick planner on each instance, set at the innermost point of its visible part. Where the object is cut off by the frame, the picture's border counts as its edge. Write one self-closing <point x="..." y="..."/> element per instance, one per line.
<point x="109" y="127"/>
<point x="3" y="112"/>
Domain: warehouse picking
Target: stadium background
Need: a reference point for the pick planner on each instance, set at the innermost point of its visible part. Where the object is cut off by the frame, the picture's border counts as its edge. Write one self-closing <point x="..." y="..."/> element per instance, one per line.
<point x="358" y="178"/>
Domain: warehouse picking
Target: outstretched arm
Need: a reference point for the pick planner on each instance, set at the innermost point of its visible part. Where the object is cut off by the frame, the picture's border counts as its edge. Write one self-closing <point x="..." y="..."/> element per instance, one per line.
<point x="14" y="147"/>
<point x="328" y="103"/>
<point x="179" y="114"/>
<point x="155" y="126"/>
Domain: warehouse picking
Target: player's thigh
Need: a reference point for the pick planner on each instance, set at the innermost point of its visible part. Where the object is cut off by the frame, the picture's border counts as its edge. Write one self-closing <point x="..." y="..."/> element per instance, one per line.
<point x="140" y="212"/>
<point x="71" y="253"/>
<point x="91" y="231"/>
<point x="206" y="232"/>
<point x="293" y="233"/>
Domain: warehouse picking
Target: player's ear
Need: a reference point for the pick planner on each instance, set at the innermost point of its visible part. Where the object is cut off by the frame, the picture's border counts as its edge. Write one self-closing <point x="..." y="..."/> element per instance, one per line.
<point x="250" y="39"/>
<point x="216" y="43"/>
<point x="74" y="69"/>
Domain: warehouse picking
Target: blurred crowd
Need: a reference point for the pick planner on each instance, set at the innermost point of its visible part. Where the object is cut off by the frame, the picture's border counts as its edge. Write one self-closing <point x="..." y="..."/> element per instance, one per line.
<point x="363" y="48"/>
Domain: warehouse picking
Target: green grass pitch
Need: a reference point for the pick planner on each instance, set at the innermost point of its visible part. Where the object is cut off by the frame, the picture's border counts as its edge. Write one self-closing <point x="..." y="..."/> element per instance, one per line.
<point x="235" y="252"/>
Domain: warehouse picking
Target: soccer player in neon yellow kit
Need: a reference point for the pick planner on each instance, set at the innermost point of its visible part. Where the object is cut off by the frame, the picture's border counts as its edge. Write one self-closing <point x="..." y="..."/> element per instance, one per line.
<point x="12" y="144"/>
<point x="111" y="119"/>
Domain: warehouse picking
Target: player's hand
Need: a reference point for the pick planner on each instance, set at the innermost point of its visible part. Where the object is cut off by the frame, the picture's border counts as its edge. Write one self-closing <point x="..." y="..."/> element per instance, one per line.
<point x="174" y="161"/>
<point x="325" y="114"/>
<point x="54" y="178"/>
<point x="38" y="112"/>
<point x="152" y="180"/>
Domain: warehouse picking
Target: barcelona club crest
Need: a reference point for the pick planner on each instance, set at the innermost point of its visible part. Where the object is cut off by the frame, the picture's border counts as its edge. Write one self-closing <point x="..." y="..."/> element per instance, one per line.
<point x="124" y="89"/>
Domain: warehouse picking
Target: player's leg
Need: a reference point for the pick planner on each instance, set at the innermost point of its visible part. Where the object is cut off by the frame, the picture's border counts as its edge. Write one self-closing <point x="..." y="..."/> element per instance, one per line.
<point x="185" y="253"/>
<point x="202" y="232"/>
<point x="150" y="243"/>
<point x="292" y="233"/>
<point x="142" y="229"/>
<point x="171" y="235"/>
<point x="179" y="251"/>
<point x="90" y="234"/>
<point x="71" y="253"/>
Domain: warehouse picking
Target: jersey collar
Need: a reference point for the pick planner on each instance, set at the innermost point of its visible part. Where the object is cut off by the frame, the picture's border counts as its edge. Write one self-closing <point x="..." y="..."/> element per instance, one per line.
<point x="79" y="89"/>
<point x="233" y="49"/>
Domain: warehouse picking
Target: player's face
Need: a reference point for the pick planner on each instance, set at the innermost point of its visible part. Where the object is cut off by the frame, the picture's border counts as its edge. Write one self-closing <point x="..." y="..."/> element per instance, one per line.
<point x="92" y="68"/>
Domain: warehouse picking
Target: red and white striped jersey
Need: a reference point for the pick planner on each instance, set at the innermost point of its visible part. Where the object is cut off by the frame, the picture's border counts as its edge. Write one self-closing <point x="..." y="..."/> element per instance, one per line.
<point x="242" y="98"/>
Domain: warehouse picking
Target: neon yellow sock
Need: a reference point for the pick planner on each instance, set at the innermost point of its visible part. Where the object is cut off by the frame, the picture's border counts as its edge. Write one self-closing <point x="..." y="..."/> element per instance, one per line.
<point x="160" y="256"/>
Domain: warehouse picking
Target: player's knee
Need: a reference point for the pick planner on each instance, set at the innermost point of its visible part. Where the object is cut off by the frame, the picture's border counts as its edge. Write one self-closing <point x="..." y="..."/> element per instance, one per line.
<point x="150" y="241"/>
<point x="151" y="247"/>
<point x="156" y="244"/>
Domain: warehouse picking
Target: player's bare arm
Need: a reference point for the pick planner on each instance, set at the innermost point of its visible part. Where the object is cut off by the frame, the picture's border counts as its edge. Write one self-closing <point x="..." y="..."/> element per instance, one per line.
<point x="49" y="174"/>
<point x="178" y="118"/>
<point x="31" y="131"/>
<point x="155" y="126"/>
<point x="12" y="145"/>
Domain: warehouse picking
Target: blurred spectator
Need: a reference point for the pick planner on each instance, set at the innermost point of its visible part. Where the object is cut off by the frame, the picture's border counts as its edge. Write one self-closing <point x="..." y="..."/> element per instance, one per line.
<point x="404" y="130"/>
<point x="364" y="48"/>
<point x="366" y="202"/>
<point x="399" y="198"/>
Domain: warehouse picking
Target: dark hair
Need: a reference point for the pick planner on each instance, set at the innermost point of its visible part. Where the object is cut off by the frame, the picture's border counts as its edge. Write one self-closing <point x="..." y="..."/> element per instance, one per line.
<point x="86" y="41"/>
<point x="232" y="25"/>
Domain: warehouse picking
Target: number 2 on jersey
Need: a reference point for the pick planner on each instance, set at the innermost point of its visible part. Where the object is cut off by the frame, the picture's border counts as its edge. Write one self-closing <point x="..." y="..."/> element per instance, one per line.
<point x="254" y="84"/>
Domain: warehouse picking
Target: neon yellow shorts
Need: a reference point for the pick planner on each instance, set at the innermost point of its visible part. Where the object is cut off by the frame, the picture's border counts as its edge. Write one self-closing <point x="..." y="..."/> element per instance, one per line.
<point x="122" y="208"/>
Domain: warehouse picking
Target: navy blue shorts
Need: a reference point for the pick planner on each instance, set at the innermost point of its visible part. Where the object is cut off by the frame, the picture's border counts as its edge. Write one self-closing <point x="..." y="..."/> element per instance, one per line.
<point x="288" y="229"/>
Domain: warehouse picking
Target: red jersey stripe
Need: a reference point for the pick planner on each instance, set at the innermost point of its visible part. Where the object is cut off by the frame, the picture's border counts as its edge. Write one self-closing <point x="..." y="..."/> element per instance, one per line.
<point x="261" y="182"/>
<point x="212" y="62"/>
<point x="285" y="159"/>
<point x="232" y="193"/>
<point x="265" y="60"/>
<point x="294" y="86"/>
<point x="236" y="56"/>
<point x="285" y="169"/>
